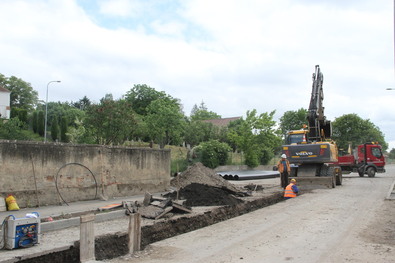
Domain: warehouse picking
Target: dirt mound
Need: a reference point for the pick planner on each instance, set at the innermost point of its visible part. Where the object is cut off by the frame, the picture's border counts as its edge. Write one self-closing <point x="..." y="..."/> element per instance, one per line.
<point x="200" y="174"/>
<point x="205" y="195"/>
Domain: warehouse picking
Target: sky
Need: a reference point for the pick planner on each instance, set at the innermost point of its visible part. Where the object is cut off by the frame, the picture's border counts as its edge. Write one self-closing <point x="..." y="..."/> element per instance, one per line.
<point x="232" y="55"/>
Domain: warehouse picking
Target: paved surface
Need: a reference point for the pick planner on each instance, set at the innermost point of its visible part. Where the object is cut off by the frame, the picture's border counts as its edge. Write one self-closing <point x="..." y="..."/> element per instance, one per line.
<point x="350" y="223"/>
<point x="61" y="234"/>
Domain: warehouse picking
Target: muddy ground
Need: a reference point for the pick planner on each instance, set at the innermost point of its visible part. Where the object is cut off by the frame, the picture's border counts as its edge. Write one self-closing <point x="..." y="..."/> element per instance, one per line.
<point x="212" y="199"/>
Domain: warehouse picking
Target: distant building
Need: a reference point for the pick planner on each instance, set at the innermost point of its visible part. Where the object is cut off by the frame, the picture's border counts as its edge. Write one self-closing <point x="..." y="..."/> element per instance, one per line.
<point x="5" y="109"/>
<point x="222" y="122"/>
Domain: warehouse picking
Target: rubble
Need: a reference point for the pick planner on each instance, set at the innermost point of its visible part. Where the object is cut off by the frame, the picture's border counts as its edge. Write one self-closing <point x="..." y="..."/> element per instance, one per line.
<point x="200" y="174"/>
<point x="197" y="186"/>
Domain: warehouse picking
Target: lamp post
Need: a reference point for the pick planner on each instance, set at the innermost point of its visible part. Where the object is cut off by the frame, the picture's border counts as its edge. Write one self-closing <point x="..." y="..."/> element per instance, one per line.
<point x="46" y="110"/>
<point x="390" y="89"/>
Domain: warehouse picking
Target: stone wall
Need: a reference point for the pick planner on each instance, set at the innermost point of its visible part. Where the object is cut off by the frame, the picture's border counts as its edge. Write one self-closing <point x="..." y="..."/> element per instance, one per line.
<point x="53" y="173"/>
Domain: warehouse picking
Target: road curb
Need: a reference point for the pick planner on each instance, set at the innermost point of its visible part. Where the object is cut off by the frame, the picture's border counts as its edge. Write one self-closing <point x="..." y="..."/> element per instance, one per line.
<point x="75" y="221"/>
<point x="391" y="192"/>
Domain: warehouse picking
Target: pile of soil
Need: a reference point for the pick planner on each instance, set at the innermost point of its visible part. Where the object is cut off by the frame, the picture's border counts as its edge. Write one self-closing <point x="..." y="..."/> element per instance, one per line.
<point x="200" y="174"/>
<point x="205" y="195"/>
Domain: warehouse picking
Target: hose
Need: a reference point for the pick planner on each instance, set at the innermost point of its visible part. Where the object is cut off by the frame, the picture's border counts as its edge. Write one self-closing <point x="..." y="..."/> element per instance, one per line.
<point x="56" y="179"/>
<point x="4" y="228"/>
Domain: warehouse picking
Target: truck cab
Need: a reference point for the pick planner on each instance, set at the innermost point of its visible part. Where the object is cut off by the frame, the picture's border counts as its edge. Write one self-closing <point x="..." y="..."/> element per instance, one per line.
<point x="367" y="159"/>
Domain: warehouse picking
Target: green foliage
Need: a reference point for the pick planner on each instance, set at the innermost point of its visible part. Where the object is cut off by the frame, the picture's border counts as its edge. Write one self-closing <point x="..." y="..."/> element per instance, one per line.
<point x="214" y="153"/>
<point x="63" y="129"/>
<point x="199" y="131"/>
<point x="293" y="120"/>
<point x="392" y="154"/>
<point x="22" y="94"/>
<point x="165" y="122"/>
<point x="82" y="104"/>
<point x="256" y="137"/>
<point x="61" y="109"/>
<point x="111" y="121"/>
<point x="141" y="96"/>
<point x="41" y="123"/>
<point x="13" y="129"/>
<point x="54" y="128"/>
<point x="19" y="113"/>
<point x="201" y="112"/>
<point x="350" y="128"/>
<point x="35" y="121"/>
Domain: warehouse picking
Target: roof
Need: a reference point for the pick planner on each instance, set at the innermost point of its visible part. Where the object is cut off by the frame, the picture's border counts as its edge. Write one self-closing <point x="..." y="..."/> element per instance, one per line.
<point x="222" y="122"/>
<point x="4" y="90"/>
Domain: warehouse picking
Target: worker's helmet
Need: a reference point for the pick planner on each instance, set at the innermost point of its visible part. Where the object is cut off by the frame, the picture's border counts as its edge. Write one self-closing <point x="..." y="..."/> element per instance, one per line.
<point x="293" y="181"/>
<point x="283" y="155"/>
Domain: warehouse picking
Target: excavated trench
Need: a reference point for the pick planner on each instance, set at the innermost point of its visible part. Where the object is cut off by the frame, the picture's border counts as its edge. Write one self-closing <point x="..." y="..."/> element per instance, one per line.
<point x="199" y="186"/>
<point x="115" y="245"/>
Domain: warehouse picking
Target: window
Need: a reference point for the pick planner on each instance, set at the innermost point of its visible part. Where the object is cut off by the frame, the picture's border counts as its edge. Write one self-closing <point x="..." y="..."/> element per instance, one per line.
<point x="376" y="152"/>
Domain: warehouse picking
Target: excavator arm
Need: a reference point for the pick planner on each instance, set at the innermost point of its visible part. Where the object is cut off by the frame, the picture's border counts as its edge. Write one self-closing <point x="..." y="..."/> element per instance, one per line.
<point x="319" y="127"/>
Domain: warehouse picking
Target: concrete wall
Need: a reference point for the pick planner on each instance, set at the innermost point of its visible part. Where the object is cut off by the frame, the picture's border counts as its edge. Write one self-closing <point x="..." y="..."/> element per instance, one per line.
<point x="67" y="173"/>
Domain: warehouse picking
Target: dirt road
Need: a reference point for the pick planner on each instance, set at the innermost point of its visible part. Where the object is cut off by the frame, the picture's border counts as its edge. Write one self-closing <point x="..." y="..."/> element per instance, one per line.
<point x="351" y="223"/>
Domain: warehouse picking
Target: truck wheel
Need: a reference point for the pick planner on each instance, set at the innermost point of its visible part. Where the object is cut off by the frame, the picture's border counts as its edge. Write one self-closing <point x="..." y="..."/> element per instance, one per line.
<point x="371" y="172"/>
<point x="361" y="172"/>
<point x="339" y="176"/>
<point x="332" y="173"/>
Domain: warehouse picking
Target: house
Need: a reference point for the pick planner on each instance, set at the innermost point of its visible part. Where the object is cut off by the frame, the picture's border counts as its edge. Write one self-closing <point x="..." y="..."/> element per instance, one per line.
<point x="5" y="98"/>
<point x="222" y="122"/>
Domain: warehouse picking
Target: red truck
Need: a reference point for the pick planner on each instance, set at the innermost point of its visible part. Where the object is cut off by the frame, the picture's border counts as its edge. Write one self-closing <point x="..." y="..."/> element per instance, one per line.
<point x="367" y="159"/>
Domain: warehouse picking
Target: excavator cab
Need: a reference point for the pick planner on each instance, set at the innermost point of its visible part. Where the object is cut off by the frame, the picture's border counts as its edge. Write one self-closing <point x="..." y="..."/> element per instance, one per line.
<point x="296" y="137"/>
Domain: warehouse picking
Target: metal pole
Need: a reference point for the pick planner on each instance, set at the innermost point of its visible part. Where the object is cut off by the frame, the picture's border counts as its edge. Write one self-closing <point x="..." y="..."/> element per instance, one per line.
<point x="46" y="111"/>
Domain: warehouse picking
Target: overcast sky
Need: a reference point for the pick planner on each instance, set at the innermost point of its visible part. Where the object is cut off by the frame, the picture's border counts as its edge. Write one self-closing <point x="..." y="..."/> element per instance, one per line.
<point x="233" y="55"/>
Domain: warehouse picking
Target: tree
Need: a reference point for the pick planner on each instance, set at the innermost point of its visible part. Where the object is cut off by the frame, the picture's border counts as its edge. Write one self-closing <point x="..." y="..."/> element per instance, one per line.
<point x="201" y="112"/>
<point x="63" y="129"/>
<point x="199" y="131"/>
<point x="55" y="128"/>
<point x="256" y="137"/>
<point x="350" y="128"/>
<point x="392" y="154"/>
<point x="141" y="96"/>
<point x="60" y="109"/>
<point x="82" y="104"/>
<point x="19" y="113"/>
<point x="165" y="122"/>
<point x="293" y="120"/>
<point x="22" y="94"/>
<point x="110" y="121"/>
<point x="41" y="123"/>
<point x="35" y="121"/>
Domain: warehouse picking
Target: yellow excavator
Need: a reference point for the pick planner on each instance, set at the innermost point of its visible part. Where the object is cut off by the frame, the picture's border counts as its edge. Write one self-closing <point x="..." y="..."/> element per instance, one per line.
<point x="311" y="151"/>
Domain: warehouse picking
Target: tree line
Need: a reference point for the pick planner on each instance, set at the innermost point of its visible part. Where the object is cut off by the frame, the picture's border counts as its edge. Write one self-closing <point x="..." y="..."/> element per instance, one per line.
<point x="144" y="114"/>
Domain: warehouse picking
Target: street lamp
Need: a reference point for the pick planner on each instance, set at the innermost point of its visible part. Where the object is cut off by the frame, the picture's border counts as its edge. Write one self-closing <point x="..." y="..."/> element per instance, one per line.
<point x="46" y="110"/>
<point x="390" y="89"/>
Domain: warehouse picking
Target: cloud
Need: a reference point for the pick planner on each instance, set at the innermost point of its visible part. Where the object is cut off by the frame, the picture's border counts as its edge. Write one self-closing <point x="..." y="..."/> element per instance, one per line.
<point x="233" y="55"/>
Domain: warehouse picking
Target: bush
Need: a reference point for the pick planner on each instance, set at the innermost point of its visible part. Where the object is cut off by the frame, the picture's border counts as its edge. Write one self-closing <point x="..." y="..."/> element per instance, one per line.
<point x="214" y="153"/>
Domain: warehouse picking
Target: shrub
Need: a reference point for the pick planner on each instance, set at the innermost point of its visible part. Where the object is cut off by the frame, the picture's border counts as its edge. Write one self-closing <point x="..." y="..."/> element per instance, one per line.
<point x="214" y="153"/>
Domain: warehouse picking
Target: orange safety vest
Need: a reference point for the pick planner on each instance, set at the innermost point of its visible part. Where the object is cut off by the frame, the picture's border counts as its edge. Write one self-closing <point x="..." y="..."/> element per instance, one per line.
<point x="281" y="167"/>
<point x="289" y="192"/>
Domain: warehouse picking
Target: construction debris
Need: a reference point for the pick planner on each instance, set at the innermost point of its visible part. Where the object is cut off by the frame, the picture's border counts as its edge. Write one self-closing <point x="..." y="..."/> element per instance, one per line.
<point x="197" y="186"/>
<point x="200" y="174"/>
<point x="160" y="206"/>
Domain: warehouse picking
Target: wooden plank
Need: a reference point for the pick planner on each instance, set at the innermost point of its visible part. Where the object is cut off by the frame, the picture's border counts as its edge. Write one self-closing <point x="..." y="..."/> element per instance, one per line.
<point x="182" y="208"/>
<point x="165" y="211"/>
<point x="147" y="199"/>
<point x="150" y="211"/>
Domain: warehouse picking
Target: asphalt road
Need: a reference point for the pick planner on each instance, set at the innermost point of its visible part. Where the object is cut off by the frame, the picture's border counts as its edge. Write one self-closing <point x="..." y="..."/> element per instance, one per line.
<point x="351" y="223"/>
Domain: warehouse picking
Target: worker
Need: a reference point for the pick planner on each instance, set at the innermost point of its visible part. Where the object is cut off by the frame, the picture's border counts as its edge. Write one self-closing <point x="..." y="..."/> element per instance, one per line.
<point x="291" y="190"/>
<point x="284" y="169"/>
